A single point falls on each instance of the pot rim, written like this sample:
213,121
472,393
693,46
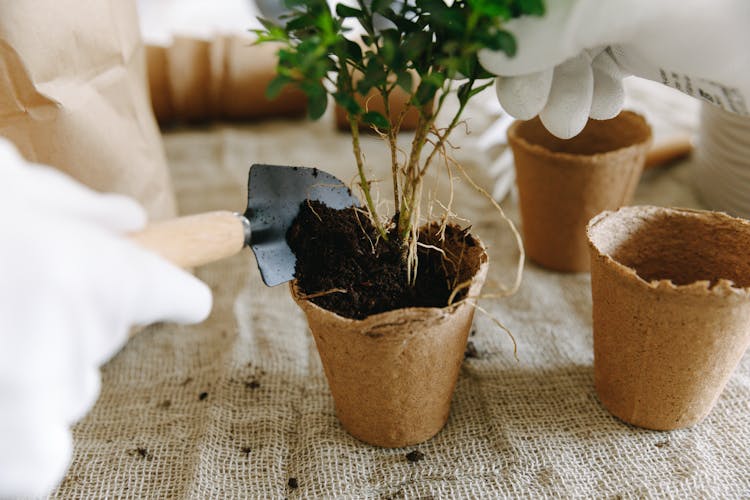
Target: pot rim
537,149
723,286
408,314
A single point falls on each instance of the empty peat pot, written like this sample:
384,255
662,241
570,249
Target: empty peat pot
671,310
563,183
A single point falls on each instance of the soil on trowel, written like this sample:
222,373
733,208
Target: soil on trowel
340,250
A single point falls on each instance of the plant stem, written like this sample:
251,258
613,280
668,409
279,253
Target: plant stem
442,138
354,126
441,141
392,131
412,173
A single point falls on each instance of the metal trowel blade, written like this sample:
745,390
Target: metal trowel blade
274,195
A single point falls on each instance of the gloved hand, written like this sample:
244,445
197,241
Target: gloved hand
570,62
71,287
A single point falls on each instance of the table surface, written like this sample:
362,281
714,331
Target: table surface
238,406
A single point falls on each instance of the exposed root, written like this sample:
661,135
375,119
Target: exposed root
472,301
357,212
448,208
450,215
432,247
321,294
500,325
309,205
457,289
309,196
412,257
519,242
457,266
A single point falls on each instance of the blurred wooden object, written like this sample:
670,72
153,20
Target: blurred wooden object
667,151
374,102
196,80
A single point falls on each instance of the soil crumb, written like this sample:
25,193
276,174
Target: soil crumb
471,351
141,453
414,456
341,250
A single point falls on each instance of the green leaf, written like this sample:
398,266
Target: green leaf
349,103
464,92
274,86
346,11
390,47
531,7
269,25
317,99
442,16
501,40
377,119
380,6
478,71
495,9
353,51
299,23
481,88
437,79
374,76
415,44
287,58
262,36
403,24
425,92
405,81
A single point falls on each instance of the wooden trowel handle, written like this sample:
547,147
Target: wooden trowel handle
194,240
669,150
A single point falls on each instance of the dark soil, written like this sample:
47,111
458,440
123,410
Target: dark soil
340,250
141,453
414,456
471,351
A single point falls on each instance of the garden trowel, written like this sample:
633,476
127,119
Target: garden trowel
274,195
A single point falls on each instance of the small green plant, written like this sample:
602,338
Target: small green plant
428,48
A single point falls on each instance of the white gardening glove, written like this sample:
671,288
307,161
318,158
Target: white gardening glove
570,62
70,289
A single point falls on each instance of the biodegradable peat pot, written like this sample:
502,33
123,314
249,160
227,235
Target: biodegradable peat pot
671,308
562,184
392,374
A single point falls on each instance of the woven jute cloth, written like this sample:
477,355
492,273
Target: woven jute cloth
238,406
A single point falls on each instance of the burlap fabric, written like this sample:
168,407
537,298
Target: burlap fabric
238,406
